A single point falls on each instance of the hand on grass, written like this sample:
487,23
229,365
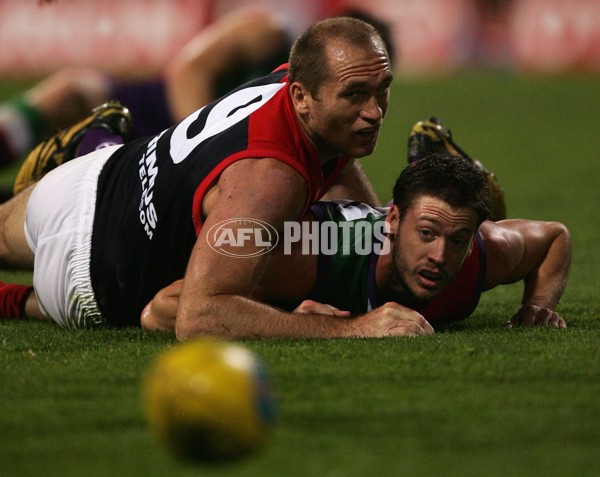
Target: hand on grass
392,319
533,315
160,313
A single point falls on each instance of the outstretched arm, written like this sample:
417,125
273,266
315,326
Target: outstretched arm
539,253
390,319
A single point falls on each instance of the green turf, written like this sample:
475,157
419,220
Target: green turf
474,400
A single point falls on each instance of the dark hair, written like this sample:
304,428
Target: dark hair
455,180
308,56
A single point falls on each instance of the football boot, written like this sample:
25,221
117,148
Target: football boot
431,136
63,146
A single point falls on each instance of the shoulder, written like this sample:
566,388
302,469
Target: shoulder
504,247
267,182
496,233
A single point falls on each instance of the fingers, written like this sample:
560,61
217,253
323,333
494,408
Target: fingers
532,315
311,306
402,321
411,328
390,319
160,314
157,320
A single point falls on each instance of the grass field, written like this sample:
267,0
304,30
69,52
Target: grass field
474,400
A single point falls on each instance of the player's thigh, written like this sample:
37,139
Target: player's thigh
14,248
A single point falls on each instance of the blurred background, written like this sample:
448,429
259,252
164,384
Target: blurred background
135,37
517,81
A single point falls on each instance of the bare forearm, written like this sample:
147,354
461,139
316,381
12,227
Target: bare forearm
236,317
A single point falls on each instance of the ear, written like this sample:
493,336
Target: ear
393,219
470,247
300,97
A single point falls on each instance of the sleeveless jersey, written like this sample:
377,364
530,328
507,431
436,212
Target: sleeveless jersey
347,279
150,192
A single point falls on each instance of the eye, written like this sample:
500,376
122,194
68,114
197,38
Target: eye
354,94
459,243
426,234
383,90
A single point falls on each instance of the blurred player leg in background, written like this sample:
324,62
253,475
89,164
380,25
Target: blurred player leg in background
240,46
431,136
55,103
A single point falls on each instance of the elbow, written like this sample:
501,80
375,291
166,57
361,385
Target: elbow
564,231
183,333
186,329
563,236
200,324
188,325
566,237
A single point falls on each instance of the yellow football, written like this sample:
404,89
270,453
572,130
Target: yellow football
209,400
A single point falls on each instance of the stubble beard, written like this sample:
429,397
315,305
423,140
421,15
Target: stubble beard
401,286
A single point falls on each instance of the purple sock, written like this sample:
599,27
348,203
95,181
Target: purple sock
97,138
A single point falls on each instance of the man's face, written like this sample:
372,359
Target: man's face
431,240
346,114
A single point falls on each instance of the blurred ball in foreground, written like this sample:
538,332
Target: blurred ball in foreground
209,401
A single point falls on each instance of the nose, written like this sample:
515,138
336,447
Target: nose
373,110
437,252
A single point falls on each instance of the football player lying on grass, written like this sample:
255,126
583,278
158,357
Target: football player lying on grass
399,271
106,231
437,259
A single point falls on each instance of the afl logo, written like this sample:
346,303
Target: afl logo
243,238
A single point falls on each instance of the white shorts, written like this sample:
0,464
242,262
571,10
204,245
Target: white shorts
58,228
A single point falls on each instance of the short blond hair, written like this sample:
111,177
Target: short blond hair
308,56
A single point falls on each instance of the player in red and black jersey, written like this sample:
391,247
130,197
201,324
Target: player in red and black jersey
266,151
161,220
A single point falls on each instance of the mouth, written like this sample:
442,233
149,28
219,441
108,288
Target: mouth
431,279
369,134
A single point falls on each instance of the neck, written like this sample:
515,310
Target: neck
318,144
